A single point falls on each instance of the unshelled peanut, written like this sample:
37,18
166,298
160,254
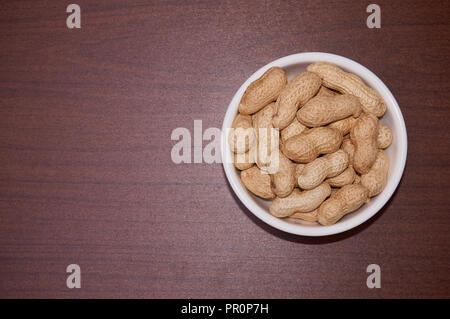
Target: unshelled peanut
245,160
300,202
375,180
310,216
295,128
345,125
305,147
263,91
335,78
344,178
257,182
283,180
384,138
364,137
322,110
346,200
297,92
266,135
241,136
315,172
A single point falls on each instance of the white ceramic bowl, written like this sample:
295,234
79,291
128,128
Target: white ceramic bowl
294,64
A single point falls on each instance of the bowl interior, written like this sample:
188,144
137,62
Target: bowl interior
397,151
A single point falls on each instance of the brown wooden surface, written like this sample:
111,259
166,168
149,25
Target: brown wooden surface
86,175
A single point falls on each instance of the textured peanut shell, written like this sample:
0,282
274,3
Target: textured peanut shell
283,181
300,202
263,91
375,180
344,125
257,182
245,160
263,118
241,136
335,78
349,148
315,172
298,170
310,216
266,136
357,179
296,93
333,191
295,128
364,137
323,110
344,178
346,200
384,138
305,147
324,91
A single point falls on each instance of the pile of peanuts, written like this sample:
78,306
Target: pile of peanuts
314,144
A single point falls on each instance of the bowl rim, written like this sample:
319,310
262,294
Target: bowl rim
343,225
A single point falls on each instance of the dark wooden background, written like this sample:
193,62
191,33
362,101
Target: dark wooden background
86,175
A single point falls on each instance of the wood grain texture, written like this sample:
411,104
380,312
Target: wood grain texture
85,169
